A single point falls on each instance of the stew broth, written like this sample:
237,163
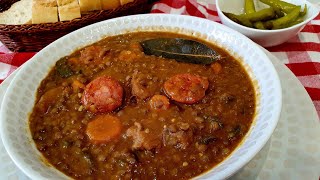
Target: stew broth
108,111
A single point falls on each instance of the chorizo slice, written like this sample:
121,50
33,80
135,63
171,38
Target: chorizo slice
186,88
103,94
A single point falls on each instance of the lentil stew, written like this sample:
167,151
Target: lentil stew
109,111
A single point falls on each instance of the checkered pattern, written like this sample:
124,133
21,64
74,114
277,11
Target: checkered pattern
301,54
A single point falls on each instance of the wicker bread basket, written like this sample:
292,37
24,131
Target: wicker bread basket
34,37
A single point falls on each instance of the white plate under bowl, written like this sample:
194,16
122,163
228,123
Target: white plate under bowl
20,97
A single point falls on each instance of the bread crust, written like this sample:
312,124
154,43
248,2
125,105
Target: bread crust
110,4
45,3
65,2
122,2
89,5
68,10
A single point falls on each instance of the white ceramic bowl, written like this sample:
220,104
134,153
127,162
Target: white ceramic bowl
265,38
20,96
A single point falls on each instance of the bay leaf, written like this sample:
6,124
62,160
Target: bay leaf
182,50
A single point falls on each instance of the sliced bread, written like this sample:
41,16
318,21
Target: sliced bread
89,5
44,11
68,10
19,13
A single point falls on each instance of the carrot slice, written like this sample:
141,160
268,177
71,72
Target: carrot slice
103,128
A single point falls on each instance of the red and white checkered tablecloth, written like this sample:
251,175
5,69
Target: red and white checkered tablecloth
301,54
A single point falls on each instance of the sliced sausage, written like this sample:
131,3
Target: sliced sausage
159,102
103,94
186,88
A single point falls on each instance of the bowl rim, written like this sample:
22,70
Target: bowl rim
227,173
254,30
